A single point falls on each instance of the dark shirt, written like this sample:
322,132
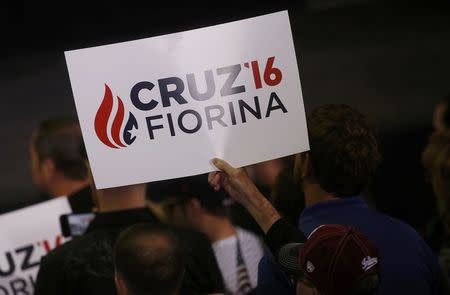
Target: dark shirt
281,233
84,265
81,201
408,265
269,274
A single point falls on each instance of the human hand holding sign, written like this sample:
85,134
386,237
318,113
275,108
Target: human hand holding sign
241,188
234,180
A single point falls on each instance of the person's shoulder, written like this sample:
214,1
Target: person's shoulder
73,246
397,226
77,263
398,231
56,261
62,250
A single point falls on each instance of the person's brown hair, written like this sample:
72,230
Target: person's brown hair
150,259
436,161
60,140
344,149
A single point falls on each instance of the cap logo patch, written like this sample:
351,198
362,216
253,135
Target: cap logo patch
368,262
309,266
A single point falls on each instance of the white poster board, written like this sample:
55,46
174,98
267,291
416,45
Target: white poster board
27,235
163,107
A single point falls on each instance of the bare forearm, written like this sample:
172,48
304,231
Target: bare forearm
237,183
261,210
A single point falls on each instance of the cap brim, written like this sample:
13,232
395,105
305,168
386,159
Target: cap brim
288,258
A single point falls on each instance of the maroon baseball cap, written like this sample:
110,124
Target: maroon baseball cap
335,259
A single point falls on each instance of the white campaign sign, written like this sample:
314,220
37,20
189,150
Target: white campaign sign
27,235
163,107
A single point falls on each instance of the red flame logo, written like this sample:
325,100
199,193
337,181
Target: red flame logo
102,118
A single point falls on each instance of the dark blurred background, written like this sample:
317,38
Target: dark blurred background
389,59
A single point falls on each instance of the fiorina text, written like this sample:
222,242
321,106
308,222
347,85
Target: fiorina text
231,105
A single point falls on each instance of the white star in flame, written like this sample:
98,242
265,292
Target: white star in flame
133,132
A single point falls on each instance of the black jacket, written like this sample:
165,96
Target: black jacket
81,201
84,265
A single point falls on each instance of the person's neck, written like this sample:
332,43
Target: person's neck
314,194
64,186
218,228
121,198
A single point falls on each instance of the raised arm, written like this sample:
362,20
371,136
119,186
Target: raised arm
241,188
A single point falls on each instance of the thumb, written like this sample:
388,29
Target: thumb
224,166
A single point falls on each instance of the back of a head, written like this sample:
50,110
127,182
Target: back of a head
60,140
335,260
344,149
214,202
194,187
149,259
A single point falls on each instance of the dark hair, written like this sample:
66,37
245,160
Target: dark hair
211,200
192,187
150,260
60,140
344,149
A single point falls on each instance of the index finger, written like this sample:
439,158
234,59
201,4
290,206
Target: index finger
224,166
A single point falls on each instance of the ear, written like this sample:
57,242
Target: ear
302,166
307,165
120,285
48,168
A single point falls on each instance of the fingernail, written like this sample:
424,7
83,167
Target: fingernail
214,160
